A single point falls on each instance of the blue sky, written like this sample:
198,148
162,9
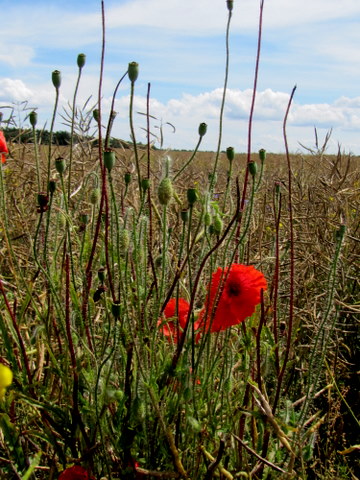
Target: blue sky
180,46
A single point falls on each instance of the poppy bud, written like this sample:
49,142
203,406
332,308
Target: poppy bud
81,60
340,232
33,118
202,129
95,196
165,191
109,159
184,214
52,186
252,166
217,225
116,310
56,79
230,153
96,115
192,196
127,178
133,71
262,155
145,184
60,165
43,200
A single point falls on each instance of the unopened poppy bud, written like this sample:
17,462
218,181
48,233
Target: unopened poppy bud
133,71
56,78
230,153
262,154
96,115
184,214
340,232
116,310
192,196
230,4
60,165
81,58
252,166
165,191
109,159
102,274
33,118
52,186
217,225
127,178
145,184
207,219
202,129
124,240
95,196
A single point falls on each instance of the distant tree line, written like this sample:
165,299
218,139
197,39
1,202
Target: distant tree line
62,137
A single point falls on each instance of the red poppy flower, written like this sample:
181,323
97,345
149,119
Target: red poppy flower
3,147
171,328
233,295
75,473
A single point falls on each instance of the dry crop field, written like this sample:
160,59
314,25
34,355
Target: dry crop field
124,363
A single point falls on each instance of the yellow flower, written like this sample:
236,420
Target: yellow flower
6,377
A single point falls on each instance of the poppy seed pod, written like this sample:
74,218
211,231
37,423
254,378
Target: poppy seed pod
52,186
116,310
192,196
109,159
133,71
127,178
230,4
145,184
33,118
262,154
252,166
165,191
60,165
81,58
56,78
202,129
230,154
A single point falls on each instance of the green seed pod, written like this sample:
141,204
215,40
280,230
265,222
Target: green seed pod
252,166
184,214
56,79
192,196
52,186
96,115
230,4
33,118
202,129
230,153
102,274
109,159
60,165
127,178
95,196
133,71
217,225
165,191
145,184
116,310
262,155
81,58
